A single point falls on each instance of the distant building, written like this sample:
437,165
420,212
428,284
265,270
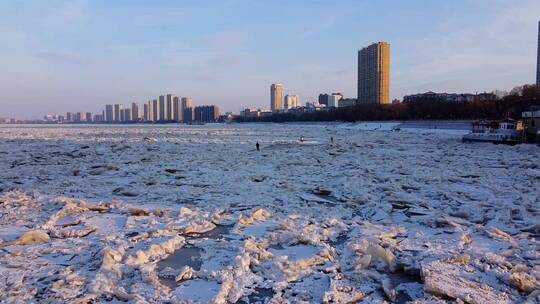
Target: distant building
134,111
333,100
117,109
88,117
291,101
206,113
435,97
162,108
374,74
97,118
80,117
485,97
323,99
146,113
247,112
339,95
188,115
169,115
276,97
347,102
155,109
531,119
127,115
109,113
177,108
255,112
185,103
70,117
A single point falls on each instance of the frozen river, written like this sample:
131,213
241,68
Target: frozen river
194,214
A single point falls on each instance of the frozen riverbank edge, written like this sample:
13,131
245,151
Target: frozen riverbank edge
92,213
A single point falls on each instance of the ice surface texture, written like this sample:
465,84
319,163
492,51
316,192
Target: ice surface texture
194,214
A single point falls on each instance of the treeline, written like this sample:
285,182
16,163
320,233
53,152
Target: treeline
509,106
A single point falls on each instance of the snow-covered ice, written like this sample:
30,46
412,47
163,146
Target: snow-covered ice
194,214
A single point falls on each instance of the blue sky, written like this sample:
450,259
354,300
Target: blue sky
78,55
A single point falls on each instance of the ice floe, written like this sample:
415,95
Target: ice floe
194,214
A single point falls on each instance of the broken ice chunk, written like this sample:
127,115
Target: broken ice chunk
33,237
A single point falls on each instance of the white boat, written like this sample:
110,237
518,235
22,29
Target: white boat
507,131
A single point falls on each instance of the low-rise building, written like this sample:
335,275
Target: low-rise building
347,102
333,100
531,120
291,101
206,113
188,115
437,97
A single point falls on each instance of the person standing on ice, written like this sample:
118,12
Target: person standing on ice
332,139
257,146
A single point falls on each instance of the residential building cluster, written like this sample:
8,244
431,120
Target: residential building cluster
450,97
280,103
164,109
373,86
8,120
335,100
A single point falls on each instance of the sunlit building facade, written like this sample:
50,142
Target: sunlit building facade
374,74
276,97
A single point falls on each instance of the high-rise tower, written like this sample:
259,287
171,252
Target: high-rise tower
169,115
185,103
276,97
374,73
162,108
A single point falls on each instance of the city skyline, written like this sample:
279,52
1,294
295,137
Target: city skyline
83,54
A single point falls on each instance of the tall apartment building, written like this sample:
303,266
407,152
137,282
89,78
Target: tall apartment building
146,114
125,115
177,108
170,107
80,117
206,113
162,108
276,97
88,117
117,109
109,113
184,104
374,73
188,115
155,110
134,111
538,60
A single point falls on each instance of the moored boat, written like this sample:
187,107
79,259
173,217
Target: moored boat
508,131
